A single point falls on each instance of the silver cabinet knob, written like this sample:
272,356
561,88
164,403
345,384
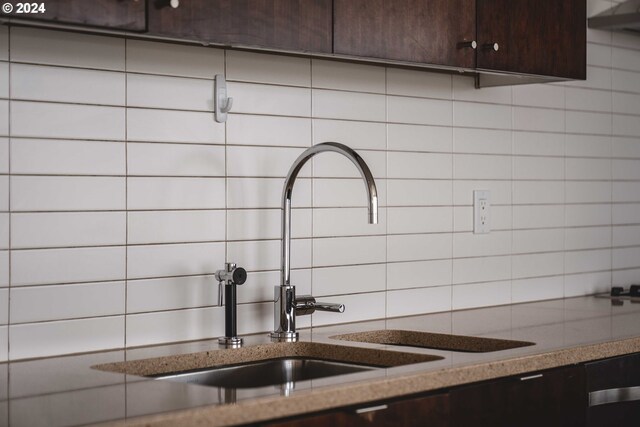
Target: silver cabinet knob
174,3
491,46
472,44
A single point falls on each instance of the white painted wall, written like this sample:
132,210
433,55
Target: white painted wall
119,194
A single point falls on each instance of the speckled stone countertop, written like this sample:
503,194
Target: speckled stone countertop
66,391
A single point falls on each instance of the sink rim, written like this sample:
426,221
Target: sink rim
433,340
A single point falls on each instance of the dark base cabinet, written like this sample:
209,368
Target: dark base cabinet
614,392
421,411
549,398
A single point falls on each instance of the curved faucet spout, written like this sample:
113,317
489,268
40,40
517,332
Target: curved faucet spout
372,196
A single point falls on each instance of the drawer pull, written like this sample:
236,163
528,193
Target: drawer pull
531,377
371,409
614,395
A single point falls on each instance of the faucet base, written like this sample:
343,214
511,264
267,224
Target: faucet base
284,336
230,342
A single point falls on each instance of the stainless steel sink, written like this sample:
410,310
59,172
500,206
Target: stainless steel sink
266,373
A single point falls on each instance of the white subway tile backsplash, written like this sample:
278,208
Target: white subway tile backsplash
419,111
344,193
482,141
175,93
175,160
539,95
330,104
4,268
357,308
47,120
174,59
48,193
267,68
625,235
538,192
587,238
69,229
58,84
331,222
418,83
534,265
586,99
587,261
4,155
66,48
266,193
273,100
174,260
538,143
535,289
354,279
73,265
587,192
171,293
526,241
175,226
483,269
587,215
418,274
407,192
419,165
184,194
67,157
407,220
357,135
409,302
173,126
347,76
464,90
419,138
263,161
469,166
481,294
179,325
538,168
42,303
4,118
4,80
250,224
348,250
4,231
175,193
265,254
247,129
66,337
490,116
419,247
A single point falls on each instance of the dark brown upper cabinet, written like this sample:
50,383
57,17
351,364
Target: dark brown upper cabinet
541,37
418,31
117,14
294,25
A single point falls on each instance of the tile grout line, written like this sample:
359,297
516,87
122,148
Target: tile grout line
8,346
453,168
126,196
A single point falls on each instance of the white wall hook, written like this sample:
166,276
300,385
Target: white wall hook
223,104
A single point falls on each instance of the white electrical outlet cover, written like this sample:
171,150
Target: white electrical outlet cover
481,211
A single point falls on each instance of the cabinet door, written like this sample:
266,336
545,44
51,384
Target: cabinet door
296,25
550,398
614,392
430,410
426,31
117,14
542,37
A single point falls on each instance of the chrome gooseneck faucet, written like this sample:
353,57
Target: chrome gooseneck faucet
286,303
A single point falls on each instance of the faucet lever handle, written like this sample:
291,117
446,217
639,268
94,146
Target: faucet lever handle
329,306
220,294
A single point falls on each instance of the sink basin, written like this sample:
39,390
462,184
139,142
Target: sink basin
435,341
266,365
267,373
